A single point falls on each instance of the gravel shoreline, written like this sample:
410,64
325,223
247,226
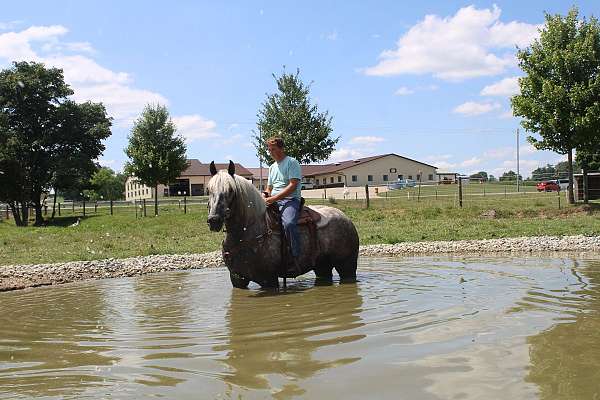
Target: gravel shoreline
14,277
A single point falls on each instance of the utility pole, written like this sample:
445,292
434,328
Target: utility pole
518,160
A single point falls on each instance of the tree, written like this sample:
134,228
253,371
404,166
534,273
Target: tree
156,152
561,86
289,113
107,185
482,175
543,173
510,176
43,134
492,178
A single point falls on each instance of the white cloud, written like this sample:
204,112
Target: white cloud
471,108
9,25
528,149
470,162
106,163
403,91
366,140
506,87
195,127
471,43
500,152
89,80
123,102
332,36
345,153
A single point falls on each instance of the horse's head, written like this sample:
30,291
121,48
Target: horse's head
221,196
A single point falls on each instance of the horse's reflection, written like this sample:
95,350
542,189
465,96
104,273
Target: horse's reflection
273,338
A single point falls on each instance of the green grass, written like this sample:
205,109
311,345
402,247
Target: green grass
389,220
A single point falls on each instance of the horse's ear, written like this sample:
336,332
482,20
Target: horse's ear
213,169
231,168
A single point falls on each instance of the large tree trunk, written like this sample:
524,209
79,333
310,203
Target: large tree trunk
39,217
24,214
570,160
14,208
156,199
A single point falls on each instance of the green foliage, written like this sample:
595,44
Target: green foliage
560,89
46,140
107,185
510,176
289,113
156,152
480,175
559,93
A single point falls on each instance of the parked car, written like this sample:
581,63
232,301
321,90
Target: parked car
307,186
563,183
548,186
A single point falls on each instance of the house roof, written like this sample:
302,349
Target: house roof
196,168
316,169
319,169
256,172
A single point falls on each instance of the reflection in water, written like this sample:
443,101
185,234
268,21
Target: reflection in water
565,359
419,328
274,336
44,341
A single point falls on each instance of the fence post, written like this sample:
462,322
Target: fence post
59,209
558,195
504,190
184,205
7,215
95,207
355,195
111,207
436,192
45,209
460,192
367,194
84,207
135,206
73,206
144,206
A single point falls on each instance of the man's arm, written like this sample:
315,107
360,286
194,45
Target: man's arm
289,189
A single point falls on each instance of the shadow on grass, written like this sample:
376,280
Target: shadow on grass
67,221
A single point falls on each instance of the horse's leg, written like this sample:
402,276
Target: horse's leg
238,281
270,283
346,269
323,270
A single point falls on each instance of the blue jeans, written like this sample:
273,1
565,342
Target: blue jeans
290,211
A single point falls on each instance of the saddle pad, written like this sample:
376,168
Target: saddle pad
307,215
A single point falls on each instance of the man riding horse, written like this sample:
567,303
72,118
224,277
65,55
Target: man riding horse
283,190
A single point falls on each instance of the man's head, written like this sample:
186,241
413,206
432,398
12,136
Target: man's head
276,148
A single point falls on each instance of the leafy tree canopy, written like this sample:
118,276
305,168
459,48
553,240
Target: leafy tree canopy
290,114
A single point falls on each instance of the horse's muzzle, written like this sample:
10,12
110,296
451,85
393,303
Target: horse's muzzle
215,223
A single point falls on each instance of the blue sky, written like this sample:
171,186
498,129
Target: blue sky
429,80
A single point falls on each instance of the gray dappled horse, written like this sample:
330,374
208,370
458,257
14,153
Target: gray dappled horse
253,251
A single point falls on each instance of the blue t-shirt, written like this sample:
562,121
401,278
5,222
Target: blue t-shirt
280,174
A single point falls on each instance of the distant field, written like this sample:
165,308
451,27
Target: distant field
100,235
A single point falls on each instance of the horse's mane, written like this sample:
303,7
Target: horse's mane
249,201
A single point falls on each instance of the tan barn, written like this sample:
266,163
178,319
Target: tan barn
375,170
192,182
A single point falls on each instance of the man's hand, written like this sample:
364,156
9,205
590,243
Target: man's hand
270,200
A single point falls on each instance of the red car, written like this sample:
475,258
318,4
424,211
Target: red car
548,186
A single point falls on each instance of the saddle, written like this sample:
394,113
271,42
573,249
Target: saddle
309,218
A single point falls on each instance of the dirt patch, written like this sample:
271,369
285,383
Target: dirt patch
489,214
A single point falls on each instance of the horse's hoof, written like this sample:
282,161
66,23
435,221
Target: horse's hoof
238,281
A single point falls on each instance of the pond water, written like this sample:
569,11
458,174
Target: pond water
411,328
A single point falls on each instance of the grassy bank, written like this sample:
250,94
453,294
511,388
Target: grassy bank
387,221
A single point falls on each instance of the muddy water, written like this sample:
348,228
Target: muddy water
412,328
